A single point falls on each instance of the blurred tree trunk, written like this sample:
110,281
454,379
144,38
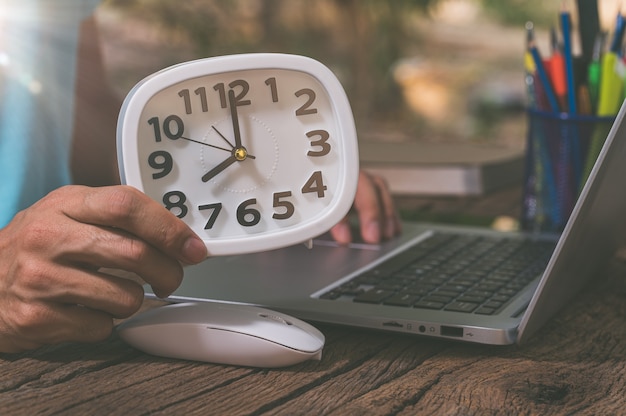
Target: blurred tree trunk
376,30
359,28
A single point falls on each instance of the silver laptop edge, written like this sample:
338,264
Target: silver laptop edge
593,233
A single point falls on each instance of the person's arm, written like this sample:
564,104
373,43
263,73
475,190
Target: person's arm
93,159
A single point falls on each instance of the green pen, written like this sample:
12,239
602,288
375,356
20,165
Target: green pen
608,105
593,72
610,86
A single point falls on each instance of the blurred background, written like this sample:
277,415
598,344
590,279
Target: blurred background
438,70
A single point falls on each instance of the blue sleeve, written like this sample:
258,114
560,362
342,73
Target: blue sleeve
38,46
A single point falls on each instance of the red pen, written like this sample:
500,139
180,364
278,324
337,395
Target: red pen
556,71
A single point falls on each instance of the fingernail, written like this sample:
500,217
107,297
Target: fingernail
194,250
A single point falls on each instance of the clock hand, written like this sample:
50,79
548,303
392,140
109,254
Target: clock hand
214,146
232,147
222,136
213,172
235,117
205,144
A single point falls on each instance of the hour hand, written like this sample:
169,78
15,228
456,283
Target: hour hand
213,172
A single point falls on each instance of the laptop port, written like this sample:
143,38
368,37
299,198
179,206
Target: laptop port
451,331
393,324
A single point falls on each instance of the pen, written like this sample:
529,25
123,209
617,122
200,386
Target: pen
556,70
608,103
610,85
570,167
593,71
530,69
620,26
610,80
529,63
622,71
543,77
588,27
569,61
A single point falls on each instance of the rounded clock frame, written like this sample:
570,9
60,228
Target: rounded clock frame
232,162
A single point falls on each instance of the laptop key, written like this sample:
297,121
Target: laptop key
349,289
500,298
438,299
461,307
492,304
471,299
424,304
483,310
332,295
454,288
373,296
418,291
441,292
401,300
480,293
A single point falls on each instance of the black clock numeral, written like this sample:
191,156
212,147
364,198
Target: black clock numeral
173,127
305,109
280,202
315,184
215,211
201,93
175,201
322,142
239,96
160,160
271,82
247,216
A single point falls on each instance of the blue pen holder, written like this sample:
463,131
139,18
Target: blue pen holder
560,152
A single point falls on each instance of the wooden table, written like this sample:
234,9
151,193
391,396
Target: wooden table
575,364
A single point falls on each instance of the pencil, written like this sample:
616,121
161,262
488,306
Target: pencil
543,77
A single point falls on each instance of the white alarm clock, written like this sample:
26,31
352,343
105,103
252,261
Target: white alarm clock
254,151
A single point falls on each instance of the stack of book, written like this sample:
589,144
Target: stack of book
435,168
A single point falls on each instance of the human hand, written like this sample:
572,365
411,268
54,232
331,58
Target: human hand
51,288
378,218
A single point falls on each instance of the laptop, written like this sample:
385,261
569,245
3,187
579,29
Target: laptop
338,284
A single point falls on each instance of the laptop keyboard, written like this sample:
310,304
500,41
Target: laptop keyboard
453,272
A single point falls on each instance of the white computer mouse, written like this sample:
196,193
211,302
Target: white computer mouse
223,333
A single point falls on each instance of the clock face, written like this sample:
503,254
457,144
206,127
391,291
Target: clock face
252,151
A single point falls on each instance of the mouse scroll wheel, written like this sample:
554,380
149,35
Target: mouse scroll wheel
275,318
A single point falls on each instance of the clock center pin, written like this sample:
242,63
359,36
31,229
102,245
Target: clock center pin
240,153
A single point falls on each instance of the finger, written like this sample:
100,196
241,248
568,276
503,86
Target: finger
37,324
115,249
10,344
368,206
391,220
113,295
126,208
341,232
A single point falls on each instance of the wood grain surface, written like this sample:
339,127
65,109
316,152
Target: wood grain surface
574,365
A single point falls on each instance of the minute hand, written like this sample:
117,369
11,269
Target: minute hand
235,117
